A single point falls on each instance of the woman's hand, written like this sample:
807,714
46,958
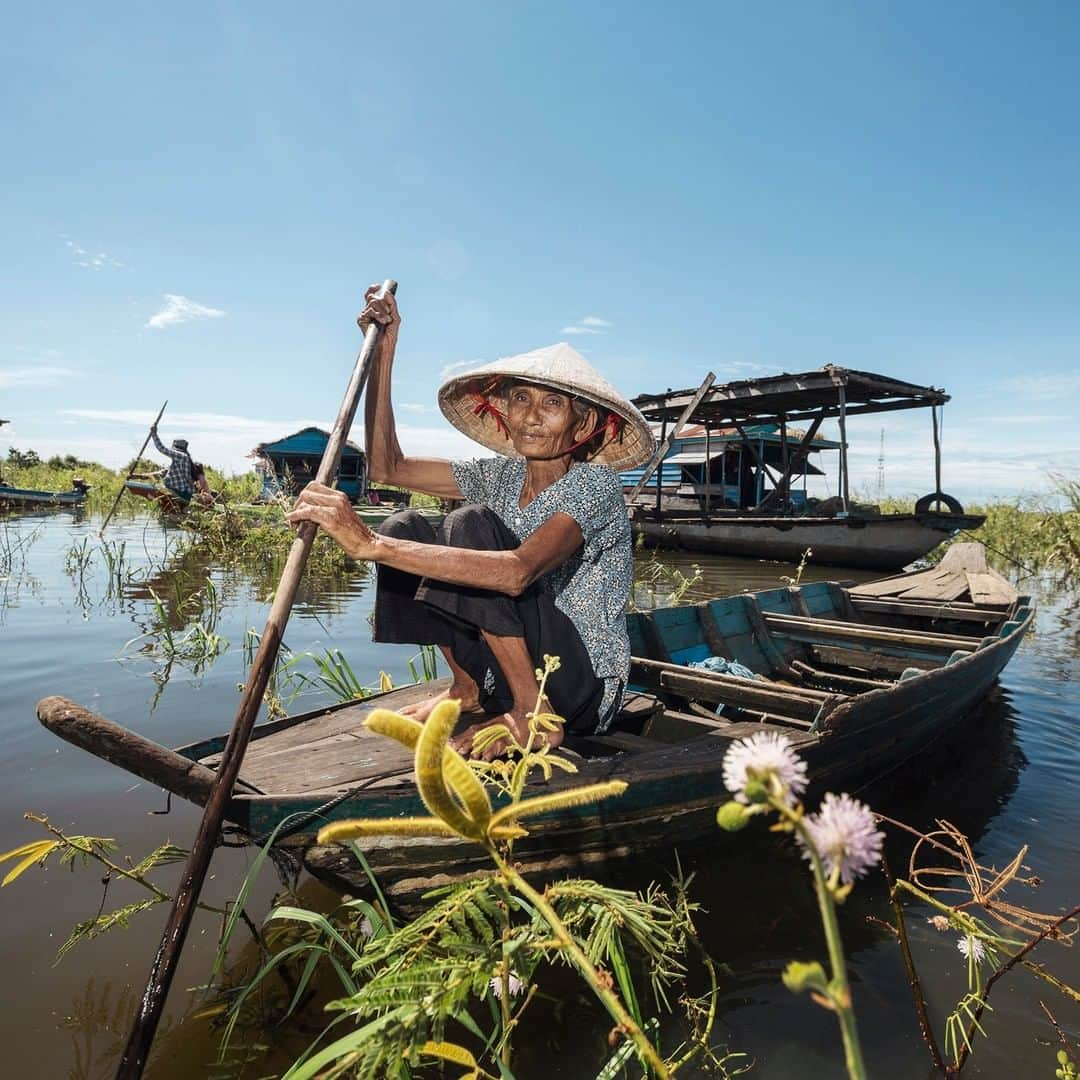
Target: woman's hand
330,510
382,310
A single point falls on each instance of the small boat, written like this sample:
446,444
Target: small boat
168,502
728,483
29,497
861,684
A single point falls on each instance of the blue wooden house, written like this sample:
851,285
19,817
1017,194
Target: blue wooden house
287,464
720,469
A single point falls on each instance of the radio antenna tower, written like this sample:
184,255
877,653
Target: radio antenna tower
881,468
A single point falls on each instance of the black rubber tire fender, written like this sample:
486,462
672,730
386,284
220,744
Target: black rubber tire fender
924,505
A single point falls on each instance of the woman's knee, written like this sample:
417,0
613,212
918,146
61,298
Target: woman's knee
477,526
407,525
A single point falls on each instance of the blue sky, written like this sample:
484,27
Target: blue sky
195,197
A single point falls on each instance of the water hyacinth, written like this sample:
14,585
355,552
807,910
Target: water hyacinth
765,757
971,948
846,837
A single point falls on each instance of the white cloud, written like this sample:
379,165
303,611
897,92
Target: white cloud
458,367
591,324
179,309
40,375
1045,386
414,407
90,260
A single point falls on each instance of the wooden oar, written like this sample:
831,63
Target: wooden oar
187,893
131,471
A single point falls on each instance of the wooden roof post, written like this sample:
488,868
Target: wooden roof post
844,495
664,443
708,470
937,455
785,494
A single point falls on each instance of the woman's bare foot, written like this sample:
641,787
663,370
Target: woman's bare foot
470,703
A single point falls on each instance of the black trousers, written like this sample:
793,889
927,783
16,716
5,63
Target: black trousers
423,611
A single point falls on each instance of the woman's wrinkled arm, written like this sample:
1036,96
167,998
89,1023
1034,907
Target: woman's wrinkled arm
386,462
508,572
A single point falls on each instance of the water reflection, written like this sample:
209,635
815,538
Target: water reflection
1006,777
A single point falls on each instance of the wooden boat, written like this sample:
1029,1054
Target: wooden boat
167,501
14,496
740,460
860,684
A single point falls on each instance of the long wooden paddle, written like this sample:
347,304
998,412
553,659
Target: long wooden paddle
172,940
131,471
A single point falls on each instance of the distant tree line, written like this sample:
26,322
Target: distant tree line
28,459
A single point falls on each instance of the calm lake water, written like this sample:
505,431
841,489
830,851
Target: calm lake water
67,627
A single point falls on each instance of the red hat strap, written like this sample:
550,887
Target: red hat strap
484,408
612,426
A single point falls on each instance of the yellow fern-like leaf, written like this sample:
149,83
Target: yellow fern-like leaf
28,854
547,721
430,778
544,804
492,734
459,777
351,828
386,722
449,1052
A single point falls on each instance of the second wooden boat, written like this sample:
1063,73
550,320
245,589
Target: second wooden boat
861,685
14,496
166,501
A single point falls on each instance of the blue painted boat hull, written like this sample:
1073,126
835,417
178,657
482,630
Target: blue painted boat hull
29,497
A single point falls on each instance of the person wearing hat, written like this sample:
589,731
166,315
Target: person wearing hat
180,479
540,560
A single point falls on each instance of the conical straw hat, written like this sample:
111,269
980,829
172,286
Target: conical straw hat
563,368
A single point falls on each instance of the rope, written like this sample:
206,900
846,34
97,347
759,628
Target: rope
288,865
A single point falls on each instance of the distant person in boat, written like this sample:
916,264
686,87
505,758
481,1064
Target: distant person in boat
203,493
180,479
539,561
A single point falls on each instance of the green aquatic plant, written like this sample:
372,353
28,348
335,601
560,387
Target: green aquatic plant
658,584
85,851
955,885
196,647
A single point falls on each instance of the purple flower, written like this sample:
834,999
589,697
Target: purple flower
514,984
845,835
972,948
764,756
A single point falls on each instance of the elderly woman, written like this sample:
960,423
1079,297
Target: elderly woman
538,562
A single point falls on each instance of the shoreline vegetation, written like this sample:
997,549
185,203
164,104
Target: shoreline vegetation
1031,533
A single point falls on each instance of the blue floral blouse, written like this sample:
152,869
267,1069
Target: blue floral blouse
593,585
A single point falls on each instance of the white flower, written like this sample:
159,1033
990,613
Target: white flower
768,754
365,928
513,982
939,922
845,835
972,947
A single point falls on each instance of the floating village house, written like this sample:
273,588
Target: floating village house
287,464
719,468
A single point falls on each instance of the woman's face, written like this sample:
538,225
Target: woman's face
542,422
